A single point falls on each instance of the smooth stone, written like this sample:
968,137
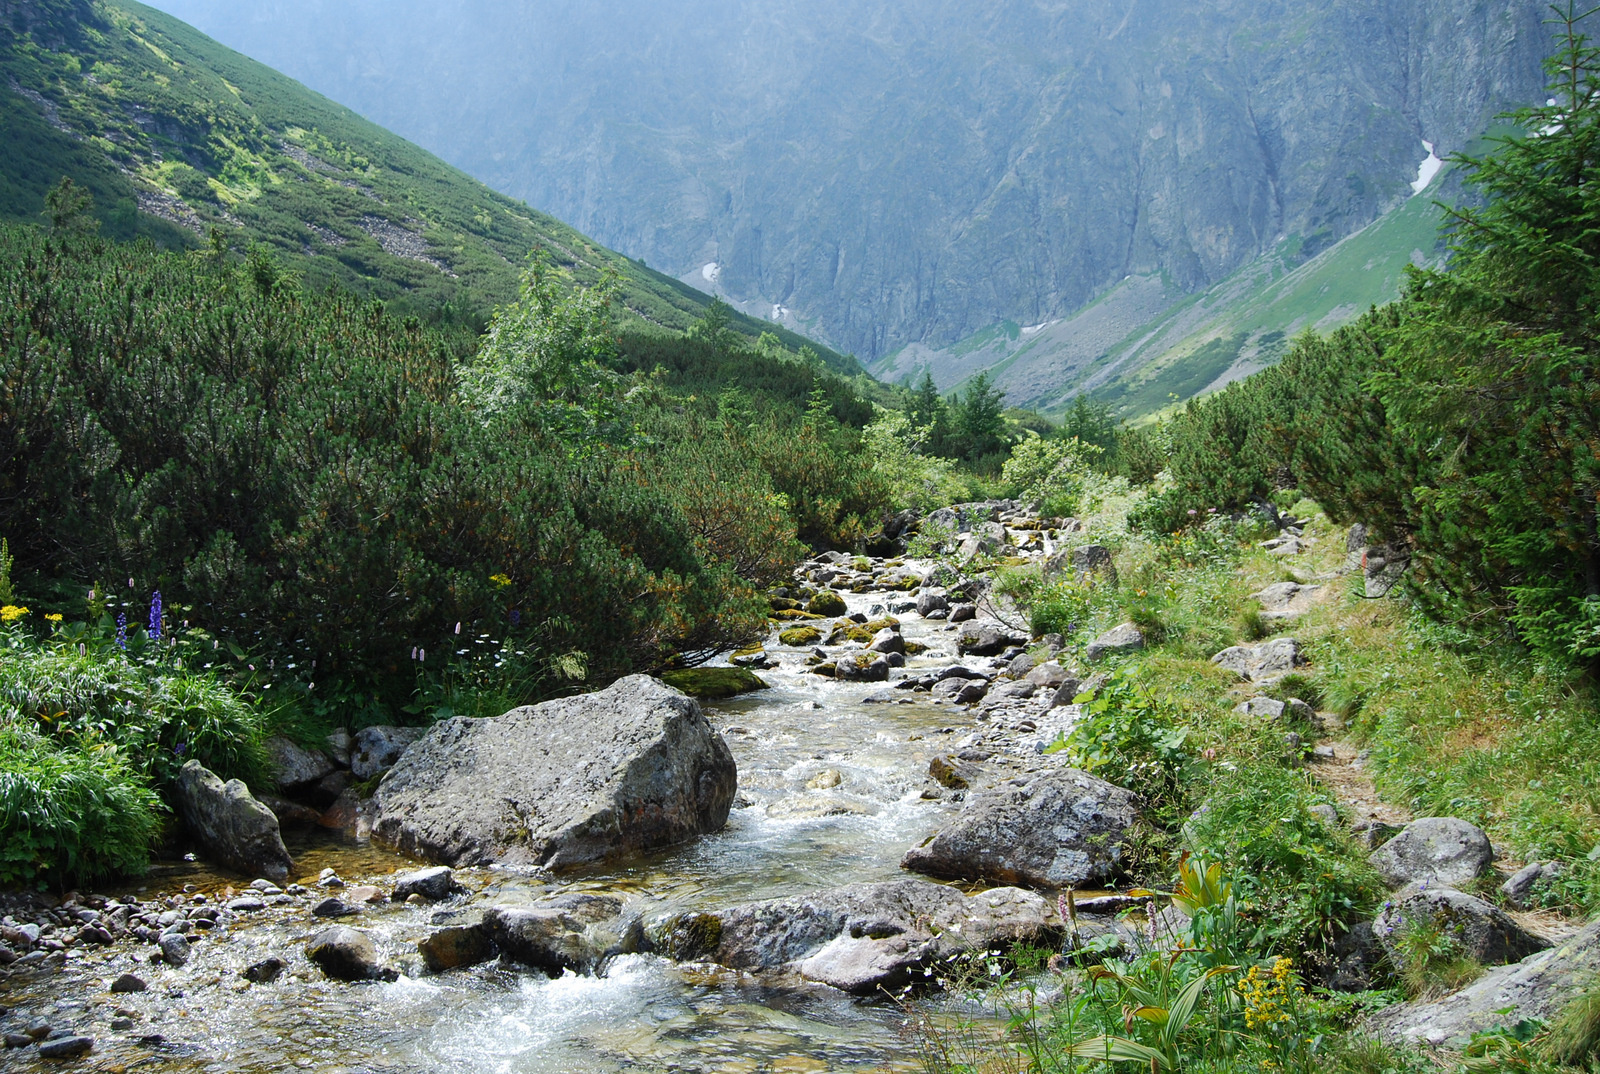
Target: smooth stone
347,954
435,884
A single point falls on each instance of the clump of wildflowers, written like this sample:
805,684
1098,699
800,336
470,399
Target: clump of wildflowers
1270,995
122,630
155,616
10,613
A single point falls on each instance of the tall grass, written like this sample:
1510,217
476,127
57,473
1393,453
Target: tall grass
70,813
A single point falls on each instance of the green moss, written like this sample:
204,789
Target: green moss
713,683
826,602
800,636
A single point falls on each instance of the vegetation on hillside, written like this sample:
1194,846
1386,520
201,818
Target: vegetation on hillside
1461,423
186,142
348,518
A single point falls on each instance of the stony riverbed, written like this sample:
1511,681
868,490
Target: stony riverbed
191,969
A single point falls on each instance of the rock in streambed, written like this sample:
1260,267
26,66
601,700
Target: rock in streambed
632,768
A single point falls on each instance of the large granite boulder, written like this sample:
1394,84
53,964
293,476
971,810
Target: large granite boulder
1058,829
1478,929
864,937
232,828
1267,662
632,768
1535,989
1437,851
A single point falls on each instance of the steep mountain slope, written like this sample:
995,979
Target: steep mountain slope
889,174
175,135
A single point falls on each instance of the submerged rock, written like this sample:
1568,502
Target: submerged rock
864,937
576,932
1060,829
455,946
232,827
714,683
432,884
646,772
347,954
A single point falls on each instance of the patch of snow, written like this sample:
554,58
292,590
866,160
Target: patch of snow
710,271
779,312
1031,329
1427,169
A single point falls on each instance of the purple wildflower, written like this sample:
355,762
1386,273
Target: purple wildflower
122,630
155,616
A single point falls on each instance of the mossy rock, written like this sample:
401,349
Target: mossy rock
1016,561
783,604
909,584
915,648
795,615
714,683
888,622
691,937
826,603
800,636
862,586
849,632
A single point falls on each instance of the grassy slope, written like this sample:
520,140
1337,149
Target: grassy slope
1456,725
1241,329
1239,325
175,134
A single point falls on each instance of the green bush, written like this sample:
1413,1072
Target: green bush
157,718
1305,881
69,813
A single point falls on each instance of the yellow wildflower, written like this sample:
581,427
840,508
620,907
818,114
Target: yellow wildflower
500,580
54,617
11,613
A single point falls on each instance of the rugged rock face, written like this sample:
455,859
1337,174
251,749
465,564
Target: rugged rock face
647,772
1480,930
1440,851
234,829
1535,988
1060,829
865,936
1014,160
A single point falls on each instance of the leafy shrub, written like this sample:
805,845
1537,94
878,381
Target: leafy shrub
156,718
69,813
1304,882
1132,738
1051,473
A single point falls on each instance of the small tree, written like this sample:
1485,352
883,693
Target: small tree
70,209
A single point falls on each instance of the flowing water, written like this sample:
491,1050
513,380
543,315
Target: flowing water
787,835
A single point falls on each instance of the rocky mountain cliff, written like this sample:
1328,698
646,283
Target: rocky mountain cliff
884,174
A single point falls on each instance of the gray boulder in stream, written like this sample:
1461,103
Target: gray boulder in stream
863,937
1059,829
632,768
576,931
232,828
